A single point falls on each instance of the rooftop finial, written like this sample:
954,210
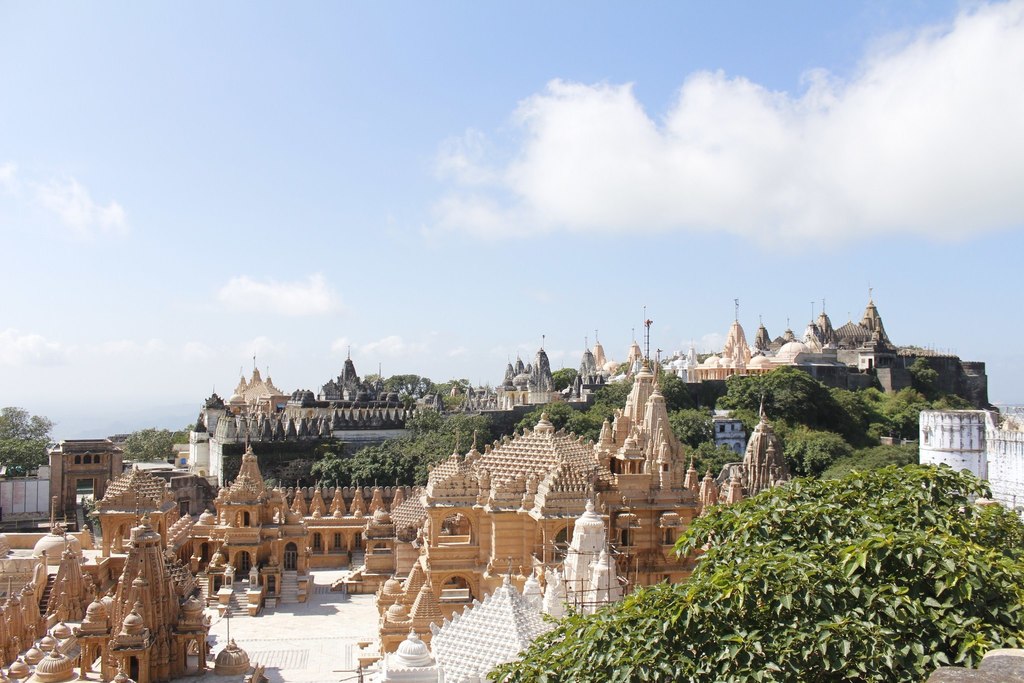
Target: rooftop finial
349,352
736,312
543,337
647,335
812,311
254,361
596,340
871,290
823,305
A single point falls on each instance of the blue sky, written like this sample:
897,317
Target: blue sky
439,185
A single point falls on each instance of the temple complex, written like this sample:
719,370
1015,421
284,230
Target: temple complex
527,384
854,355
346,409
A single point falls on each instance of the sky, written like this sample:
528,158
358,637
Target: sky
439,187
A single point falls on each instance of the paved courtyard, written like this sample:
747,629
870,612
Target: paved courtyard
306,643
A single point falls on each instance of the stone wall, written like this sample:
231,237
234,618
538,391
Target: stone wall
974,440
1005,450
955,438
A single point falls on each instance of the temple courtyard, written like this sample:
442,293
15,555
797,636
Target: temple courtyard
309,642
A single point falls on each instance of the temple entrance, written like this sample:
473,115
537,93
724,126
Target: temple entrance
244,564
192,657
84,488
133,668
291,557
204,552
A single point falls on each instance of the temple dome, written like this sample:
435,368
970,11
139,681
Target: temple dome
19,669
398,612
53,544
61,631
34,655
392,587
590,520
790,352
55,667
95,614
207,518
412,652
232,660
133,623
46,643
759,361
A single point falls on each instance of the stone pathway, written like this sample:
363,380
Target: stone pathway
303,643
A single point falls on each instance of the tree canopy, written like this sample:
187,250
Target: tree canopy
152,444
23,440
407,460
877,576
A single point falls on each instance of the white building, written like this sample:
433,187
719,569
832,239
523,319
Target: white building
984,442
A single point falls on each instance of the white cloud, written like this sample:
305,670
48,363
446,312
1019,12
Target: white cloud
76,209
263,346
301,298
458,352
132,347
926,138
195,352
391,345
8,176
712,342
18,350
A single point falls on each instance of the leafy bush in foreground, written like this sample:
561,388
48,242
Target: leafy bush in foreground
877,576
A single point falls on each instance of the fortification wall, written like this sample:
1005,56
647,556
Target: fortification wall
955,438
1005,450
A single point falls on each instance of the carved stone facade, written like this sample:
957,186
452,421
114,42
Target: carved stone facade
82,467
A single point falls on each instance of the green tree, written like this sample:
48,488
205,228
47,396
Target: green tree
810,452
878,576
691,426
923,377
409,386
872,458
563,378
23,440
407,460
677,395
152,444
712,456
558,414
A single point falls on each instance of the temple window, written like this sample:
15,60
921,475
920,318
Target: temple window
318,542
337,541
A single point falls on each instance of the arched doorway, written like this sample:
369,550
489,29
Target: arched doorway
133,668
243,564
192,657
291,557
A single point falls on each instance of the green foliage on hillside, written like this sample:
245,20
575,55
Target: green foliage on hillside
23,440
406,460
814,421
152,444
878,576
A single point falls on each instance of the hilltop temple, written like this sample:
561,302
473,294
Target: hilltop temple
346,408
854,355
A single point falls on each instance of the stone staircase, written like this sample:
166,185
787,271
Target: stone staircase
289,588
204,588
238,604
44,601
